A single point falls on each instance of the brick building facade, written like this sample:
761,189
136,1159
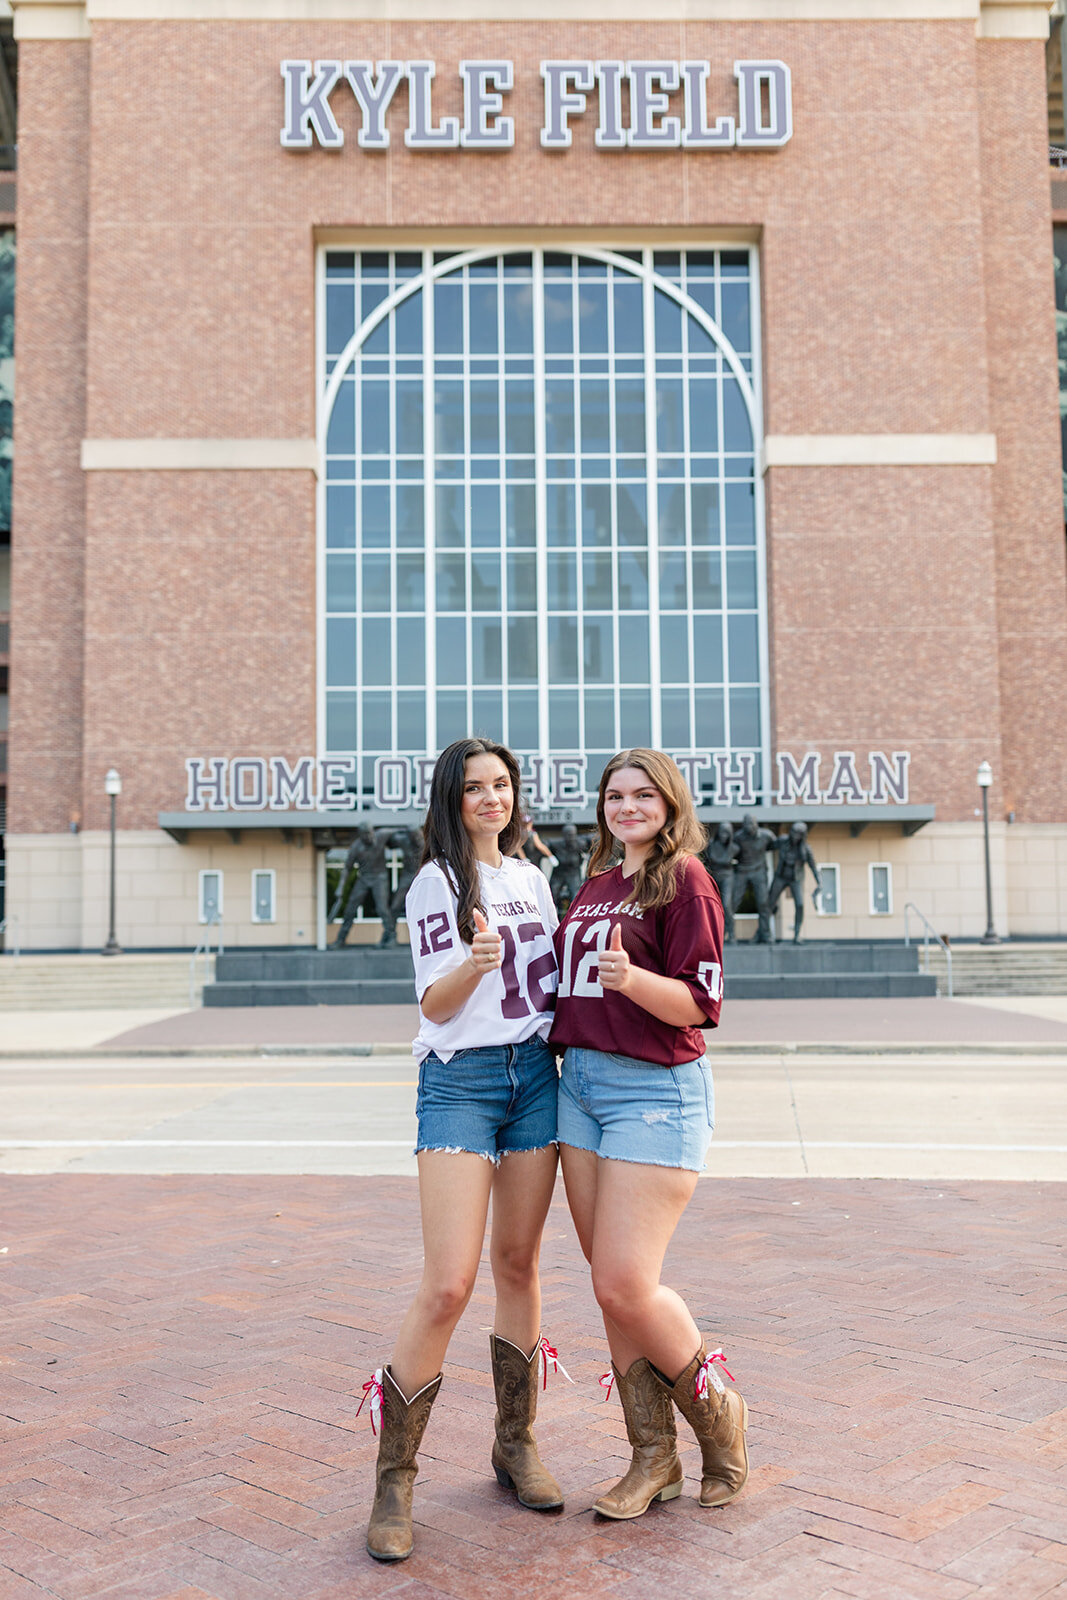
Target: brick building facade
193,507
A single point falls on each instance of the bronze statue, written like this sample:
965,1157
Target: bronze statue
409,842
569,851
720,856
794,854
753,842
365,865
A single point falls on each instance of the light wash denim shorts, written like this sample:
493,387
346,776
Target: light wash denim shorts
629,1110
492,1101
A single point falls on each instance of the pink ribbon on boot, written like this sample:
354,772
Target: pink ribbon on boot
706,1373
373,1391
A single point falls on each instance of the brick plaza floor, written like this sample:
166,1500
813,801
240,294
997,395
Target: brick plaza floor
182,1359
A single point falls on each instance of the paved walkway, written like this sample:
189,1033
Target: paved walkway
184,1356
873,1024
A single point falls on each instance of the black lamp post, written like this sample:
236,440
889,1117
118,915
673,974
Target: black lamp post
112,788
985,778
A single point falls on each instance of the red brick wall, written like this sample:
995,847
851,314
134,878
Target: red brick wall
48,510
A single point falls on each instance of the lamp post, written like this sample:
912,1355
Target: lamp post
985,778
112,788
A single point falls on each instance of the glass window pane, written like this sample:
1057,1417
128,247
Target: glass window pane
710,720
561,515
562,586
633,580
670,431
411,650
562,650
448,501
595,417
674,649
598,649
703,416
633,649
341,650
522,720
448,318
707,649
377,655
411,722
522,650
744,718
375,521
593,318
376,594
377,722
740,513
340,316
633,528
485,418
341,722
672,513
559,319
744,649
407,325
599,718
630,416
341,434
629,316
485,649
374,398
521,514
673,590
596,579
736,426
340,583
635,710
707,579
485,583
522,582
451,716
483,314
409,419
705,499
674,712
485,515
518,318
451,650
410,583
741,580
563,719
341,518
488,720
519,417
596,513
451,583
448,418
668,323
559,416
410,529
735,319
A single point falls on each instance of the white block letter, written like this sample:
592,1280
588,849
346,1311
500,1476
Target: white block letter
650,129
483,126
561,102
886,781
610,133
752,77
697,134
374,95
206,793
798,783
307,105
420,133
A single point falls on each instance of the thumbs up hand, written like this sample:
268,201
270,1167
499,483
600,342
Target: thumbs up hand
614,963
485,946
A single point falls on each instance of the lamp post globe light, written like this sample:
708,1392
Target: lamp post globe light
112,788
985,778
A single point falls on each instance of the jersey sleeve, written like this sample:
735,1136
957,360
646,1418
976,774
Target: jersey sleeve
436,947
692,944
543,896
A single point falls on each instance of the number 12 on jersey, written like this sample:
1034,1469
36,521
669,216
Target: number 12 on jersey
576,971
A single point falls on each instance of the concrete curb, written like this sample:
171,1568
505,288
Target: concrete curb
281,1051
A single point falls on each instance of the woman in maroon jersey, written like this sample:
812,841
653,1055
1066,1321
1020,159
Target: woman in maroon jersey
640,956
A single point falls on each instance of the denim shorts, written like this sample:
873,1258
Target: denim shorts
629,1110
493,1101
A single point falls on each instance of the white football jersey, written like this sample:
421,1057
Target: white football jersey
513,1001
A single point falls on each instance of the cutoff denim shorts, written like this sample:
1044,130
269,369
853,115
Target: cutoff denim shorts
629,1110
493,1101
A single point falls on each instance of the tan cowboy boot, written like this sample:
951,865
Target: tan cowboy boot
655,1472
515,1460
403,1423
719,1418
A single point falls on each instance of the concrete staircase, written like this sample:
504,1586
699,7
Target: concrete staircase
98,983
1003,969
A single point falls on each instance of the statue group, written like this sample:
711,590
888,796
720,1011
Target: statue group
737,861
364,882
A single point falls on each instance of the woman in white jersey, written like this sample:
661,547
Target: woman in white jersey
480,922
640,955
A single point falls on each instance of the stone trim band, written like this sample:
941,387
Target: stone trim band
879,450
199,455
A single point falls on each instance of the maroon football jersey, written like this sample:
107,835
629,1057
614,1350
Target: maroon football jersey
681,940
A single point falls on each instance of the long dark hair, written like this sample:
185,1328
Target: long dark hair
656,879
447,841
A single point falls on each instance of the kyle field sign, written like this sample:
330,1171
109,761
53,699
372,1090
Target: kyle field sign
641,105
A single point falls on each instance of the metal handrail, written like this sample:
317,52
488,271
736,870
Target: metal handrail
928,930
204,949
12,922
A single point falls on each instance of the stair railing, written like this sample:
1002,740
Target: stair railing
204,949
11,923
928,934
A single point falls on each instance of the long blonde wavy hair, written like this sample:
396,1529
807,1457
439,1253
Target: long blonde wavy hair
656,879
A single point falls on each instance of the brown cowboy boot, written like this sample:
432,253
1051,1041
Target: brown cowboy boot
515,1460
655,1472
403,1423
719,1417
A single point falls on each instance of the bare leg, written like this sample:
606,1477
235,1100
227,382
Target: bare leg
580,1169
522,1193
454,1198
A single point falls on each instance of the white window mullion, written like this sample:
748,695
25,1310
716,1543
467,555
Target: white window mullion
720,389
754,312
429,501
320,497
652,497
541,503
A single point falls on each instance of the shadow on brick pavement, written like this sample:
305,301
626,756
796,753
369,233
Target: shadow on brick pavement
183,1360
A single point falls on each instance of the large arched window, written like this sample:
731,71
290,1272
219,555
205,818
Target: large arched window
541,511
